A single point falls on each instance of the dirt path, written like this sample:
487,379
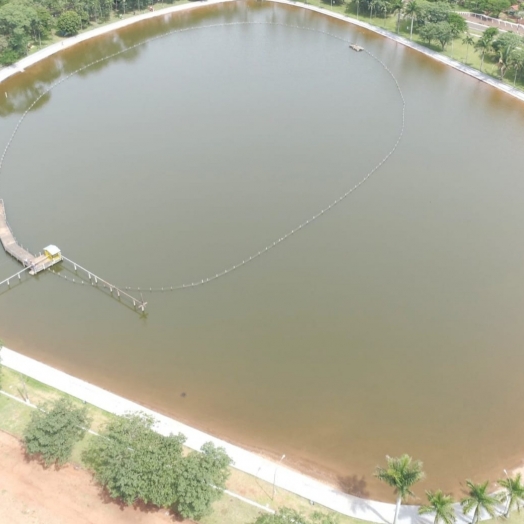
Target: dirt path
30,494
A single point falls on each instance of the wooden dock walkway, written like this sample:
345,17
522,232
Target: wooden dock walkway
52,255
12,247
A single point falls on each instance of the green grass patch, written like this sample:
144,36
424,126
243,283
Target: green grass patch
14,416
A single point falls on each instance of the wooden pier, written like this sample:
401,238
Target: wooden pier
35,263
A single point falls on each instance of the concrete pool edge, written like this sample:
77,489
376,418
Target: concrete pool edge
28,61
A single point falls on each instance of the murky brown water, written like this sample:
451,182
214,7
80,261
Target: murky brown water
391,325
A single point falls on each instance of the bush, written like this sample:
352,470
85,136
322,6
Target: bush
54,429
9,56
137,464
69,23
201,480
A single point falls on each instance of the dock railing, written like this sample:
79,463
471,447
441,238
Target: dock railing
114,290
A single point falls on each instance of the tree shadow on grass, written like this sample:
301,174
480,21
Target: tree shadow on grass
140,506
38,459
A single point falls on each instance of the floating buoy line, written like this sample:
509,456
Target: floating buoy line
254,256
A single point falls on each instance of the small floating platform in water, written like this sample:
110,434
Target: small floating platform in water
356,47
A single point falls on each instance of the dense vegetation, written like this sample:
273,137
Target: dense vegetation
24,23
436,23
53,431
137,464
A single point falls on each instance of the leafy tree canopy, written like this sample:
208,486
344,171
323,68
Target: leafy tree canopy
133,462
201,480
54,429
69,23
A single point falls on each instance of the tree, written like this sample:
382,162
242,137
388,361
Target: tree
504,45
290,516
468,40
458,26
513,494
411,11
42,24
428,32
16,21
484,43
516,62
69,23
201,479
401,474
478,499
443,33
433,12
54,429
397,6
441,505
133,462
495,7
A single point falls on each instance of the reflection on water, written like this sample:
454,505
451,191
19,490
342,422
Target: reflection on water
386,327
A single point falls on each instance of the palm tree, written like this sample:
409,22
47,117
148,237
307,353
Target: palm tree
485,42
482,45
411,11
479,499
517,62
468,40
513,494
397,6
401,473
441,505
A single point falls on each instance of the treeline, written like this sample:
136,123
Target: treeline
402,473
24,23
131,461
439,23
135,464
